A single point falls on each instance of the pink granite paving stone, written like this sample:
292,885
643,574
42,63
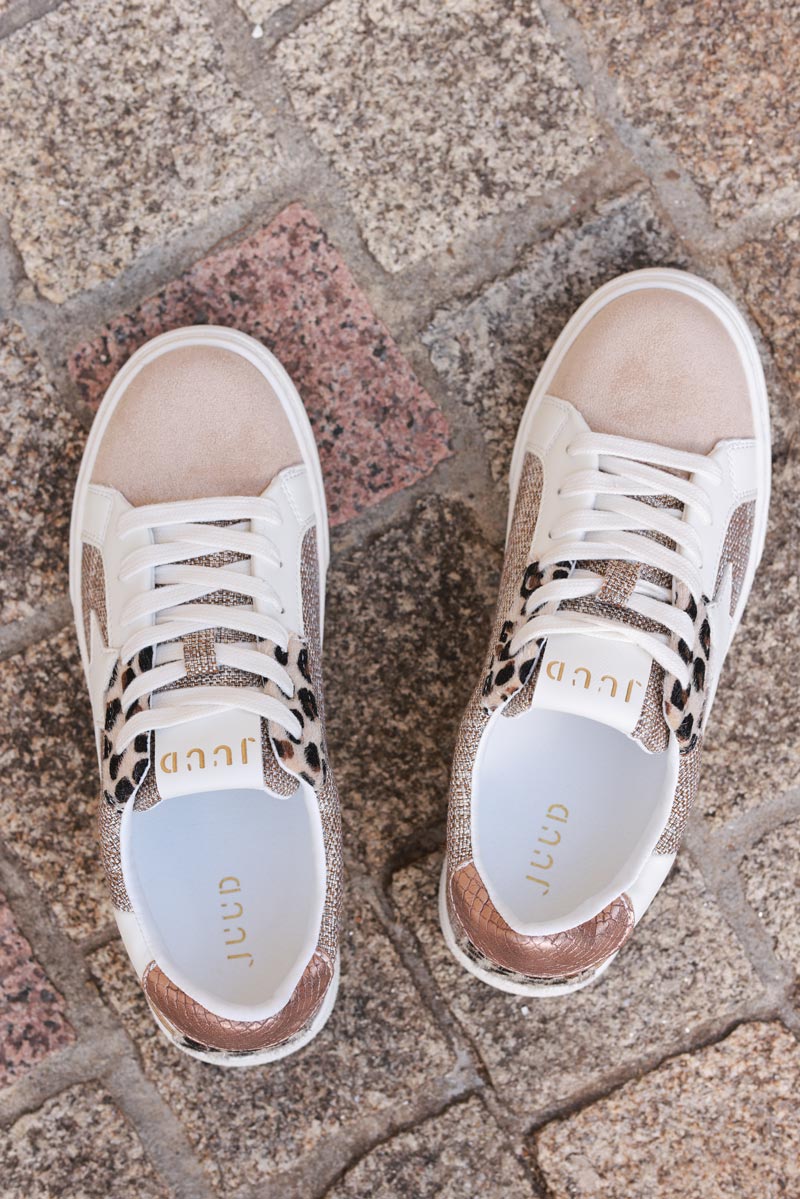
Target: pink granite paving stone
377,429
32,1019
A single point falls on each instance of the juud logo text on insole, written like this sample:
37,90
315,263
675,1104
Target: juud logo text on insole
233,910
542,859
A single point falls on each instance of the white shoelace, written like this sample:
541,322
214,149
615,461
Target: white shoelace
182,532
612,526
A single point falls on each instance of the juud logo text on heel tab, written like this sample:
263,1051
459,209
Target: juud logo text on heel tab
581,676
202,759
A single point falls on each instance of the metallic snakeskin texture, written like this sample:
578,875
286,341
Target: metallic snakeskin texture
685,791
736,549
93,590
560,956
472,952
192,1020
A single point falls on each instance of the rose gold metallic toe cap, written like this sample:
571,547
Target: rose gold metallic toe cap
191,1019
561,955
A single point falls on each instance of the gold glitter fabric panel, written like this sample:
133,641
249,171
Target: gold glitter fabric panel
685,791
651,728
110,819
93,590
736,550
476,716
327,794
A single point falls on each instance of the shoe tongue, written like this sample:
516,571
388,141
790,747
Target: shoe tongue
230,751
606,679
210,753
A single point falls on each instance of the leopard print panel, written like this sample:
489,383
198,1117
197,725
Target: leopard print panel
683,706
122,773
305,755
508,672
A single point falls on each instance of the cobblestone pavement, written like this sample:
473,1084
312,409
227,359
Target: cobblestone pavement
405,199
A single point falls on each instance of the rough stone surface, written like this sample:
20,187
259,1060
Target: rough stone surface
771,873
40,448
97,168
768,272
377,430
260,10
78,1144
752,749
49,798
406,628
722,1122
437,114
717,84
489,351
378,1050
32,1019
458,1154
682,971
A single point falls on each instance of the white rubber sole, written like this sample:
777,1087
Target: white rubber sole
229,1061
727,312
240,343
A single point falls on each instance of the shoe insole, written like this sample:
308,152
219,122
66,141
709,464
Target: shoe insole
229,883
566,811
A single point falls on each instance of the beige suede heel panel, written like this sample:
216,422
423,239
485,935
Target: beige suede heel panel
197,422
657,366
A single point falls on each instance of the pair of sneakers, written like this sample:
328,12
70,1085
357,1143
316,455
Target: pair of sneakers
639,490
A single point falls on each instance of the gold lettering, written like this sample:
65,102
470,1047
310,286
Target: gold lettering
551,812
540,865
233,915
229,878
244,748
583,670
228,755
540,881
201,757
633,683
559,675
169,763
236,940
557,841
613,682
232,957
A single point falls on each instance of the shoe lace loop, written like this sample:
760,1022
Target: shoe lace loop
605,516
235,531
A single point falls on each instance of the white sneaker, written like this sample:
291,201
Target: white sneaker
639,494
199,549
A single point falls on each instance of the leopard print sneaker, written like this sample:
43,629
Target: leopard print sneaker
199,548
639,494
